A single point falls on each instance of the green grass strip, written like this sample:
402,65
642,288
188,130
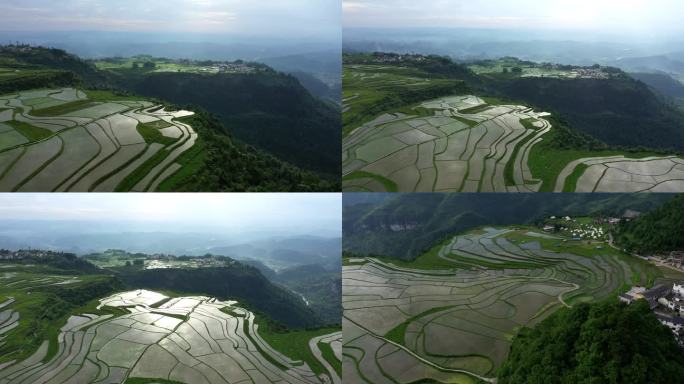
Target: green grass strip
191,161
150,132
571,181
475,109
30,132
63,109
139,173
509,168
389,185
397,333
143,380
329,356
529,123
468,122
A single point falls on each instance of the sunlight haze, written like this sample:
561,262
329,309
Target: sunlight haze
630,16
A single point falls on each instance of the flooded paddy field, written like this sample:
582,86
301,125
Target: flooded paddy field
463,144
617,173
63,141
451,314
191,339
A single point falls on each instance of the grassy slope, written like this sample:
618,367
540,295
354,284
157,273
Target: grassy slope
31,132
293,343
373,97
372,100
431,261
546,162
62,109
644,273
41,313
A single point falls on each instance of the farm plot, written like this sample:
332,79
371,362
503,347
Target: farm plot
184,339
465,146
620,174
59,140
405,323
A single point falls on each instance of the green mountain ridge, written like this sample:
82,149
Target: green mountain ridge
621,111
607,342
219,161
659,231
404,226
269,110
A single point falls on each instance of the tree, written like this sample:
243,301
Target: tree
601,343
659,231
150,65
128,263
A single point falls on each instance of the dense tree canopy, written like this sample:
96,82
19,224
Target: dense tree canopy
607,342
661,230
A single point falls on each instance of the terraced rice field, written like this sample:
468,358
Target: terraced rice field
406,323
617,173
465,146
184,339
59,140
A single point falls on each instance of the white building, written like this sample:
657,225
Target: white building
678,288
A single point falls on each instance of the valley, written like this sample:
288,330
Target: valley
451,314
181,339
117,125
64,319
406,132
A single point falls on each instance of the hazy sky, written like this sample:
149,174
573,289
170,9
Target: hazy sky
632,16
250,17
308,212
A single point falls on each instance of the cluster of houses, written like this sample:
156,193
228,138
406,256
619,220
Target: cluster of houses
394,58
27,254
171,262
592,72
577,231
667,302
236,68
674,259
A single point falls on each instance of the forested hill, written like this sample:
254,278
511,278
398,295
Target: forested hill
406,225
221,163
269,110
615,108
294,137
27,67
658,231
606,342
438,66
620,111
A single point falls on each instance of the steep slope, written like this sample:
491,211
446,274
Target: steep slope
238,281
661,230
217,161
29,67
221,163
406,225
595,343
662,82
620,111
269,110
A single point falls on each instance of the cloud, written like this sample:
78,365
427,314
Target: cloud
276,17
632,15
